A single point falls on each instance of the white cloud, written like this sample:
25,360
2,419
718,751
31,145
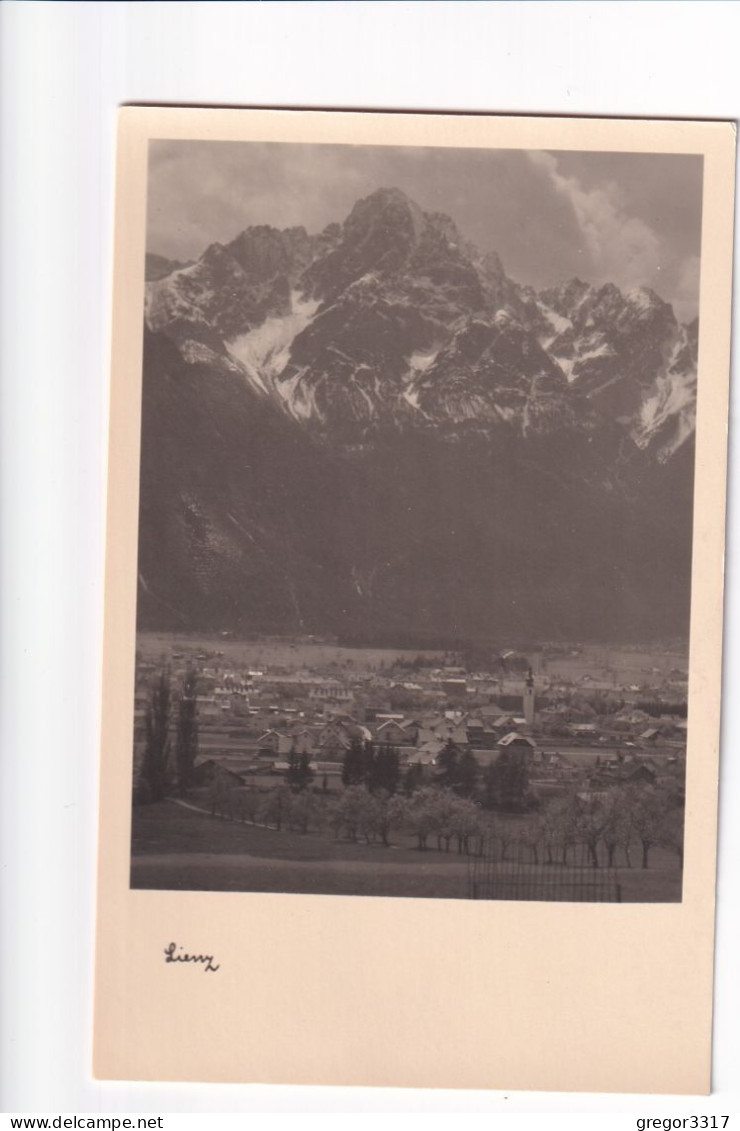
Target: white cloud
621,247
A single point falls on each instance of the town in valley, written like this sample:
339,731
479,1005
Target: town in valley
301,765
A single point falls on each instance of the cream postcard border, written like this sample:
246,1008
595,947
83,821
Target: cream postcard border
401,992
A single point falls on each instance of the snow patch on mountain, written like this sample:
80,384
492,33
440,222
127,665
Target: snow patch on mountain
197,353
668,414
298,396
558,323
264,352
566,364
181,295
603,350
421,360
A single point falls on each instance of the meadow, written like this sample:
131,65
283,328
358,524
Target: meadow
179,849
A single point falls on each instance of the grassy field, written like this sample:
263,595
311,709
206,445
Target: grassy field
174,848
270,654
617,664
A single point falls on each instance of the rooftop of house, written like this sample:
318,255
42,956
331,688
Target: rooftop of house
513,738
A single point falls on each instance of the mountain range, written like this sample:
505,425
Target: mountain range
374,432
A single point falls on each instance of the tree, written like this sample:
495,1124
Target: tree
389,812
453,817
443,810
671,829
275,806
648,808
186,748
155,767
558,825
368,762
467,774
591,822
220,794
458,770
413,779
508,834
617,826
303,810
447,758
299,774
250,804
467,823
506,783
529,837
385,771
371,815
547,831
354,766
422,815
354,812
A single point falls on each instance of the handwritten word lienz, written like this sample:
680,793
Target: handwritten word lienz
171,955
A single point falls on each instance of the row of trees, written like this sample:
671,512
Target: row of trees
613,821
438,817
356,814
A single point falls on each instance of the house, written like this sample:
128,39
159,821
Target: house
583,730
432,748
515,750
642,775
394,733
334,740
515,747
304,740
515,740
454,730
273,742
454,688
482,736
490,712
420,756
207,771
331,691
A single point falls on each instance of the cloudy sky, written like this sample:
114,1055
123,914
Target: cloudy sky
632,219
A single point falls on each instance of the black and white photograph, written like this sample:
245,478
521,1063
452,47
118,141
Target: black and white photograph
415,524
367,549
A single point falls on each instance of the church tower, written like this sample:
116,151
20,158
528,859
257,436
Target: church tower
529,700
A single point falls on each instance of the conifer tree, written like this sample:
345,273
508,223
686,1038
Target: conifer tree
386,770
447,761
466,776
299,775
353,770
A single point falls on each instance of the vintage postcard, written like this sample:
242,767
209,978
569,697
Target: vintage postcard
414,600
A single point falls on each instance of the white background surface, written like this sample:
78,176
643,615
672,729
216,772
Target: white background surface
65,69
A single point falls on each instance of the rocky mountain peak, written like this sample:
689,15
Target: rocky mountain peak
264,252
565,298
375,428
394,319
